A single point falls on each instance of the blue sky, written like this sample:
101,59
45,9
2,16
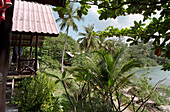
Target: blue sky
93,18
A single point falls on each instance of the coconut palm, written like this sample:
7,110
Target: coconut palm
112,45
67,21
108,76
88,40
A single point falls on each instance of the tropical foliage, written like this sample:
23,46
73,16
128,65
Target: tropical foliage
102,78
68,21
88,40
51,53
37,95
157,29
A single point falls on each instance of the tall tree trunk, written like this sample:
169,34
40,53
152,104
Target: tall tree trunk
88,45
5,35
62,62
87,51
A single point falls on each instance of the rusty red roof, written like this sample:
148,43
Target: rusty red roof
33,18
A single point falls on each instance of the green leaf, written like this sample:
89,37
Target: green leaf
63,74
52,75
110,82
57,81
135,23
69,78
99,11
129,39
61,14
124,80
154,20
88,6
95,2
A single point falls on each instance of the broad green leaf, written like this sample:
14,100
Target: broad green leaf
63,74
52,75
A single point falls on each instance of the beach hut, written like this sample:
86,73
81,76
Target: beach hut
5,37
31,23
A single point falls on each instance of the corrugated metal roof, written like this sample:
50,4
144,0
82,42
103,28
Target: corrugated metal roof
30,17
58,3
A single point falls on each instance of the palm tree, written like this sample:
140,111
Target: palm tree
67,21
88,40
109,75
112,45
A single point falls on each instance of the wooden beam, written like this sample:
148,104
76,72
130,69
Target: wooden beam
5,36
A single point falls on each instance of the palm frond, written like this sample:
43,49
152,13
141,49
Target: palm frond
116,57
123,81
129,65
77,18
59,19
54,76
69,17
75,11
80,39
63,25
82,34
75,28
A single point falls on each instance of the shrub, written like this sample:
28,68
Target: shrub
36,95
148,62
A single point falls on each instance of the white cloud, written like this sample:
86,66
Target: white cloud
93,18
119,22
127,21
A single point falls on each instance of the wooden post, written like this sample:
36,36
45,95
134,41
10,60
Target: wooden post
31,47
5,36
36,54
19,53
12,89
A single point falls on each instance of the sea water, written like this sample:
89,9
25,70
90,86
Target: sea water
156,74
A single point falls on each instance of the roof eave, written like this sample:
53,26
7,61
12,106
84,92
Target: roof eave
39,34
57,3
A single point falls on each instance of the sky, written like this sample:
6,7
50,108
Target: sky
99,25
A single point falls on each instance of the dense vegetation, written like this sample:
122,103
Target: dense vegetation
52,50
100,75
51,53
97,81
157,29
93,79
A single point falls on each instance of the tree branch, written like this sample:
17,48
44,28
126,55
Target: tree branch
74,109
128,103
89,95
143,103
117,95
111,99
124,3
